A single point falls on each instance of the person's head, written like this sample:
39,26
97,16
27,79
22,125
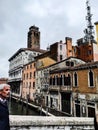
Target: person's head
4,91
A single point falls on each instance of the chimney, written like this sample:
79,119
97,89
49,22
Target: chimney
68,42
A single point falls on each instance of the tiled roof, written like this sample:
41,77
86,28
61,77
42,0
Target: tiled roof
77,67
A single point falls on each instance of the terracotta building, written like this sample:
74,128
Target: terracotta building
28,82
86,51
87,47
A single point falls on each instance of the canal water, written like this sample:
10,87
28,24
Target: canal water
17,108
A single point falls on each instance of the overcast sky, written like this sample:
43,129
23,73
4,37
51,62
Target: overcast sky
56,20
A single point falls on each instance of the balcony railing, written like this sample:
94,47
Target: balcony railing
60,88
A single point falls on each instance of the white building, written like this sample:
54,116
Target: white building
17,62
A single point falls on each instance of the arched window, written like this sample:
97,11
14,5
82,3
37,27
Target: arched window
69,80
91,79
54,80
57,80
75,79
61,80
50,80
56,77
64,80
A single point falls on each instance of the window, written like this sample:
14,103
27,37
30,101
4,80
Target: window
34,64
56,77
89,52
61,80
64,80
67,63
31,66
30,75
75,79
50,80
72,63
91,79
58,80
61,57
24,76
26,84
67,80
27,75
54,80
34,74
60,47
33,85
29,84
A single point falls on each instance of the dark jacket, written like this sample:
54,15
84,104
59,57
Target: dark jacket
4,117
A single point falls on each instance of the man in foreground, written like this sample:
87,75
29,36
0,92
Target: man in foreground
4,113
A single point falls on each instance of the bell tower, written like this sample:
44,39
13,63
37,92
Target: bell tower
33,40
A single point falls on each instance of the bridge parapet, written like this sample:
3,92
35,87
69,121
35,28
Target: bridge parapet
50,123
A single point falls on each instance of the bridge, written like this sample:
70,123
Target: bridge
50,123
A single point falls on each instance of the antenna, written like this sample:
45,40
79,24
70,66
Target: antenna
89,38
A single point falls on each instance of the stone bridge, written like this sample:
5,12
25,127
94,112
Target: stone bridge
50,123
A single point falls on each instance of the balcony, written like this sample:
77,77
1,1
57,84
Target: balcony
14,79
54,88
66,88
60,88
44,88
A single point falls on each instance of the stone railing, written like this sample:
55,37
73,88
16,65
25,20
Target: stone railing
50,123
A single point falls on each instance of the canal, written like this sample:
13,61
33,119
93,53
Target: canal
18,108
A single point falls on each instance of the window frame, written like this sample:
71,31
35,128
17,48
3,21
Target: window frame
89,82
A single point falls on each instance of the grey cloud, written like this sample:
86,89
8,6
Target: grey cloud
56,19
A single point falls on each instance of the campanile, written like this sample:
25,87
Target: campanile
33,40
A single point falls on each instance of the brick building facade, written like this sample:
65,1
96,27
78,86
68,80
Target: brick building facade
86,51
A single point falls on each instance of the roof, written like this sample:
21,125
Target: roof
69,58
24,49
78,67
96,23
47,53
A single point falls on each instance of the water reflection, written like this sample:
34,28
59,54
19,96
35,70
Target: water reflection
17,108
